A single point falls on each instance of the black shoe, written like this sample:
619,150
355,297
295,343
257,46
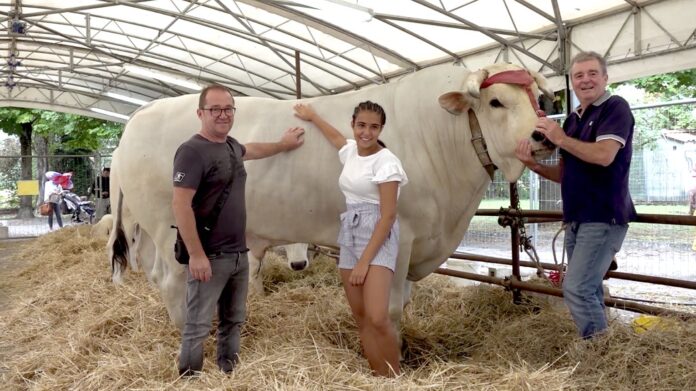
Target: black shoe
227,366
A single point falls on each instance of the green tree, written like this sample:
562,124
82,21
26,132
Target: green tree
675,85
660,88
9,172
58,132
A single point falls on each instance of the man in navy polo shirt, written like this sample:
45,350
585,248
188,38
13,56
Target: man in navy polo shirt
595,147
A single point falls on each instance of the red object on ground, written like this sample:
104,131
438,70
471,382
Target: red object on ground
555,278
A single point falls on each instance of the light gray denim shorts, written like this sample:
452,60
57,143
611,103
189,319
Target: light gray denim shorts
357,225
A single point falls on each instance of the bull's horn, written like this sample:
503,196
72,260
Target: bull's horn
543,84
473,82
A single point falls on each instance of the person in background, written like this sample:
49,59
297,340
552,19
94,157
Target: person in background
369,237
52,196
595,146
100,190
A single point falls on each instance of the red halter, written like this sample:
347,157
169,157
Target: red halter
520,78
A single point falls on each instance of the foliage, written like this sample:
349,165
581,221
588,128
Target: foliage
675,85
659,88
11,120
651,122
70,130
9,171
66,134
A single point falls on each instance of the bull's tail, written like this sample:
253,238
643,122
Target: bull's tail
119,253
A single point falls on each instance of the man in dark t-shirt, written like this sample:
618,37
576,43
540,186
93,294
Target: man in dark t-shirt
218,270
595,146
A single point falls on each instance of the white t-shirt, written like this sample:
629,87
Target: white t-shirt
362,174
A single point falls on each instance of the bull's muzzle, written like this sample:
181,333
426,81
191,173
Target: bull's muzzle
541,138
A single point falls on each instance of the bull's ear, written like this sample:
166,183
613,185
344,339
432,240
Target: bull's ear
543,84
455,102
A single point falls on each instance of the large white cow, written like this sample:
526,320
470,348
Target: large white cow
143,254
294,197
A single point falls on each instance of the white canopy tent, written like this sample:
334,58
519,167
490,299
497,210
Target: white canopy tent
111,56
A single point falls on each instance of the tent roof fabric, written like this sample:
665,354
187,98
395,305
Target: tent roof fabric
112,56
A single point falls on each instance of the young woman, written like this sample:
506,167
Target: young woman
369,235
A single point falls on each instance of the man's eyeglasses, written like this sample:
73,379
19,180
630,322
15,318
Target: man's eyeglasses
217,111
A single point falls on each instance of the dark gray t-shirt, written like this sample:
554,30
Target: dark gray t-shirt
206,166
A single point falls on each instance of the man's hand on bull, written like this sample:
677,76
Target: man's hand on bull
551,130
523,151
199,266
292,139
304,112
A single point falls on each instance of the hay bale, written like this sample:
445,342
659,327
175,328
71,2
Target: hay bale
71,328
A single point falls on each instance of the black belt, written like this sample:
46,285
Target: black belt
219,253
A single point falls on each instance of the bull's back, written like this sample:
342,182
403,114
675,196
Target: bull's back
295,196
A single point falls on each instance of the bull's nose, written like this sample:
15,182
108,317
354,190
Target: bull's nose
298,265
538,136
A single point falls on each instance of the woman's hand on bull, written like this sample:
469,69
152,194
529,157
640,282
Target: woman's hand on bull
304,112
199,266
551,130
357,276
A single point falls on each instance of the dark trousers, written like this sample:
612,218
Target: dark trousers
56,210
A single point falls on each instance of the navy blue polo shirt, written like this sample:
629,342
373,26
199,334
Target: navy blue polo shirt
592,193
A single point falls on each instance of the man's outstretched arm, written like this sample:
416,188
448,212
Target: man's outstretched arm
292,139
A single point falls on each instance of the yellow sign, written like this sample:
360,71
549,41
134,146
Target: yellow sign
26,188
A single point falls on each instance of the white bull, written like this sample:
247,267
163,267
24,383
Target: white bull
294,197
143,253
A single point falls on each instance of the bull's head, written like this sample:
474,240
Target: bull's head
502,110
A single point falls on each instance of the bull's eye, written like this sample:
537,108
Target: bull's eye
496,103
